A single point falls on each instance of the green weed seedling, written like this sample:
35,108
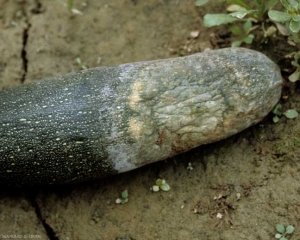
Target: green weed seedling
69,4
277,111
295,62
291,20
161,184
241,10
258,13
282,231
190,167
295,75
79,62
243,34
123,199
290,17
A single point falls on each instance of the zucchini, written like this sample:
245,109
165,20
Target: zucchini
102,121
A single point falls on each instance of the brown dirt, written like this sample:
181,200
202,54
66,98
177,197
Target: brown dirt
252,179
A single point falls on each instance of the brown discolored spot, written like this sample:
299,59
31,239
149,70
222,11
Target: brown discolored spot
179,146
161,137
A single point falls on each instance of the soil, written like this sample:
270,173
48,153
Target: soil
239,188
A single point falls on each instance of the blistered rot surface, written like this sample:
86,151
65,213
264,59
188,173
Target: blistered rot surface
106,120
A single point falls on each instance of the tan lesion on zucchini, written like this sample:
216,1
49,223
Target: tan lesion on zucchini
136,124
172,115
135,128
178,106
134,97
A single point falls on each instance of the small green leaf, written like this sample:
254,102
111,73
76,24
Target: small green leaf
211,20
249,39
294,76
278,16
295,64
285,4
242,14
294,37
270,31
235,8
297,56
295,17
78,60
275,119
283,238
165,187
247,26
239,15
236,43
290,229
294,3
124,194
199,3
294,26
277,109
159,182
291,113
278,235
155,188
271,3
236,30
280,228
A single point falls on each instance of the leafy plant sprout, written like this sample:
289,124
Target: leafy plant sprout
295,75
69,4
123,199
190,167
258,13
290,18
79,62
240,10
161,184
282,231
277,111
243,34
253,15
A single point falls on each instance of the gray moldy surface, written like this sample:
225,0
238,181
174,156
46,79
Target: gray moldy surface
250,179
107,120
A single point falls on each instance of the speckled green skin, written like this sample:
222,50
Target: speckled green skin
107,120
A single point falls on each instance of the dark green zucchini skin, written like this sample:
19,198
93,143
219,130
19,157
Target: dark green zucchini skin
103,121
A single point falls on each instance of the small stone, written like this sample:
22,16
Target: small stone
195,34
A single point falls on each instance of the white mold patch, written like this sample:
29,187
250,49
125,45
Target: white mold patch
120,155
